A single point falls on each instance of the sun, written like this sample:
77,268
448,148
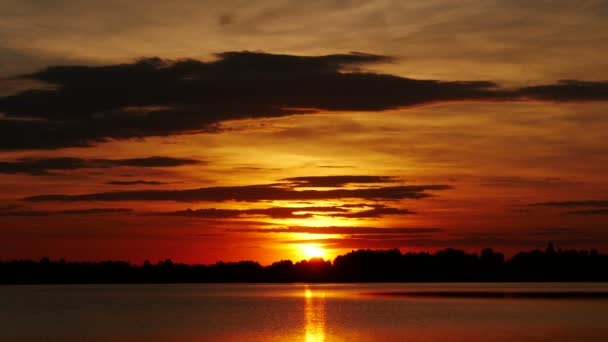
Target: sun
312,251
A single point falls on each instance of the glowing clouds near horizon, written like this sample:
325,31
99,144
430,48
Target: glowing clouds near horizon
267,155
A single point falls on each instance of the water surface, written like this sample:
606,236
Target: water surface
305,312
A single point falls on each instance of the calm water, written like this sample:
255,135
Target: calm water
299,312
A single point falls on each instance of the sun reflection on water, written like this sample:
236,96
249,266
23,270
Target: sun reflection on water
314,311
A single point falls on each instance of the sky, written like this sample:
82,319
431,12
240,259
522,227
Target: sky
264,130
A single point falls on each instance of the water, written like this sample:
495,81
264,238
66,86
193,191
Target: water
300,312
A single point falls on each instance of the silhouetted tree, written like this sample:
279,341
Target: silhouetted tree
357,266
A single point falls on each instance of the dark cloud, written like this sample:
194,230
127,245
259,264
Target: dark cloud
335,166
336,181
207,213
377,211
291,212
44,166
590,212
251,193
85,105
155,162
371,241
594,207
254,168
136,182
555,231
365,242
11,207
572,204
156,97
92,211
568,90
363,237
342,230
274,212
514,181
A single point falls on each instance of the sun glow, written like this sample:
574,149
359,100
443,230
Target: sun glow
313,251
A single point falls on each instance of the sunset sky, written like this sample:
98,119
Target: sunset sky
264,130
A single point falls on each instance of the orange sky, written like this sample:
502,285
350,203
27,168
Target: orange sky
450,128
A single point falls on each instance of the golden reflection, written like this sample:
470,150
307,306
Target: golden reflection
314,312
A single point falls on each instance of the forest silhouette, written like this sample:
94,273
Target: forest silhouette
448,265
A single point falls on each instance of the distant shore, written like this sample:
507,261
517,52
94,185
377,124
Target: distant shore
361,266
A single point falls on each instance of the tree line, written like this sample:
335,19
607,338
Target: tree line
447,265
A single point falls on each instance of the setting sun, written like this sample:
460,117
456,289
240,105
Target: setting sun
313,251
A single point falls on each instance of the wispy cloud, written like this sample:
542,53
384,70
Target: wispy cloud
572,204
590,212
336,181
274,212
294,212
136,182
91,211
251,193
342,230
45,166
